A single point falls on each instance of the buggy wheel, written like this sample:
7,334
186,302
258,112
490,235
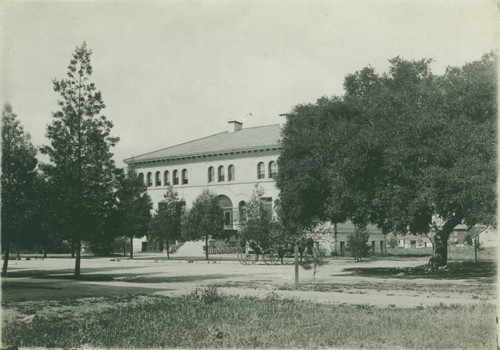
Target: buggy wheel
270,257
247,257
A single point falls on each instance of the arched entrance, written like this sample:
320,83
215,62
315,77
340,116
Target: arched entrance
227,209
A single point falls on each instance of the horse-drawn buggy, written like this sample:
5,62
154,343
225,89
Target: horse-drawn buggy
253,251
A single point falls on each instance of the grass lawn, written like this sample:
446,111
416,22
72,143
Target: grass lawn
207,319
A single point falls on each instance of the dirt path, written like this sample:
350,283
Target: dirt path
40,284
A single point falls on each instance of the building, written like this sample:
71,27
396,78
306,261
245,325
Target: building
229,163
413,241
457,237
487,236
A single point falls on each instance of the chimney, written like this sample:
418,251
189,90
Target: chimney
234,125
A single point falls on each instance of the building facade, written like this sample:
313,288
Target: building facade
230,164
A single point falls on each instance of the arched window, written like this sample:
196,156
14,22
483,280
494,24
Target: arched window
166,178
184,177
227,210
261,171
176,177
220,173
149,179
211,174
157,179
230,173
242,211
273,169
141,177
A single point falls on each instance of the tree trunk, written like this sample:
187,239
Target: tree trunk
168,249
78,256
206,246
441,241
44,254
441,248
131,247
440,245
476,247
18,256
6,259
124,246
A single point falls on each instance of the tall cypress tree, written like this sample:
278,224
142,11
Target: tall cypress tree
81,168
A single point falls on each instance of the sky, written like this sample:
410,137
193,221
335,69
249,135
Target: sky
175,71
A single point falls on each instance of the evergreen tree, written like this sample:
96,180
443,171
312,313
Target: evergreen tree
81,165
133,208
204,219
357,243
259,222
166,224
18,176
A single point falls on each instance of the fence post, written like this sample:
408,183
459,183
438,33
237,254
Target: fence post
296,253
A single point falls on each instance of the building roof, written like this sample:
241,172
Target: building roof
478,229
349,227
241,141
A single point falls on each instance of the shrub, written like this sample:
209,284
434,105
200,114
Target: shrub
208,295
314,260
357,243
392,242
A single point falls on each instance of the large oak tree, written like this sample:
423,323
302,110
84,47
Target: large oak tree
407,150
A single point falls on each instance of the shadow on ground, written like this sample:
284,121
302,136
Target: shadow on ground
454,271
18,291
88,276
48,273
59,284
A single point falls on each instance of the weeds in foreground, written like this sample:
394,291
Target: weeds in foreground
208,319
